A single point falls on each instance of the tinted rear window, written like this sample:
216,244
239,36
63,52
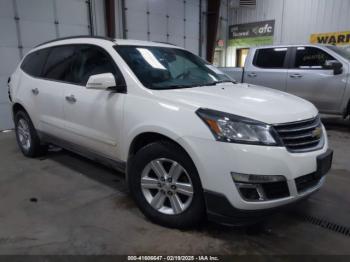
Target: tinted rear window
270,57
33,64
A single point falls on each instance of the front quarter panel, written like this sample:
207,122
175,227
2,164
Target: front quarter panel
144,114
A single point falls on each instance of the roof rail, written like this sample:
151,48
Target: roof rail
75,37
160,42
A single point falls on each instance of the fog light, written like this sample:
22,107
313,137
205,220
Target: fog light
256,179
251,187
251,192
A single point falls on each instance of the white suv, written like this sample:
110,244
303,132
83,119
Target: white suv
191,142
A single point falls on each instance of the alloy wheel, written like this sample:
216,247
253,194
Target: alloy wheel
24,134
166,186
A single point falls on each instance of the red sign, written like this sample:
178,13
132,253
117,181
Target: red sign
220,43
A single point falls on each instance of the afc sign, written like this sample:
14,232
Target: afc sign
252,30
266,29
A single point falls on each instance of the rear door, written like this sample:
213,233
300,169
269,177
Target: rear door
55,76
34,89
308,79
268,67
93,118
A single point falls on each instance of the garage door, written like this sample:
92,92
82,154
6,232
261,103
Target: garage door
26,23
171,21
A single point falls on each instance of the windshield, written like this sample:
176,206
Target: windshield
166,68
342,51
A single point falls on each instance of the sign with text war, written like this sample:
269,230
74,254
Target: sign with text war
335,38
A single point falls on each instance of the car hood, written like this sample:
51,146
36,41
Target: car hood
255,102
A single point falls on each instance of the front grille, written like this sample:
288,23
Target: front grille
301,136
276,190
306,182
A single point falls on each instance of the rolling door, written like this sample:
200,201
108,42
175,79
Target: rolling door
171,21
26,23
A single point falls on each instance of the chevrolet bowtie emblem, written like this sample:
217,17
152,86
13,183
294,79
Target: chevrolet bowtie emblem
317,132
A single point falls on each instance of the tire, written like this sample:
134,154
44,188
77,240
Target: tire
191,211
27,137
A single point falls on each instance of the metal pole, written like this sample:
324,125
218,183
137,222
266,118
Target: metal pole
90,18
110,17
123,19
200,29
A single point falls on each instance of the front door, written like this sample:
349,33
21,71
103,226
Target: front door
93,118
308,79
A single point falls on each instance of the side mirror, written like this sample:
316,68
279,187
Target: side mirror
334,65
104,82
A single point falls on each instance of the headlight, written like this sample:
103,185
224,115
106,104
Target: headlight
236,129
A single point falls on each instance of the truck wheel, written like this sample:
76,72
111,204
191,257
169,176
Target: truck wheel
166,186
26,135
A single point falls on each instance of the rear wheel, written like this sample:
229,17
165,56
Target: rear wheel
26,135
165,185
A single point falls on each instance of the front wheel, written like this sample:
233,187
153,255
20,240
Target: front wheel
166,186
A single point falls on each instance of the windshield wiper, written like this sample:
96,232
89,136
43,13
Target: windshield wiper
173,87
187,86
225,81
193,85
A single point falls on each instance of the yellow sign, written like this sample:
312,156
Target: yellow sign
336,38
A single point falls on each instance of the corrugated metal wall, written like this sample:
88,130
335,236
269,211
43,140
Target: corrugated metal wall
264,10
295,20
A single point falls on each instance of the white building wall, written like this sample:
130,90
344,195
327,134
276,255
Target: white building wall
305,17
98,17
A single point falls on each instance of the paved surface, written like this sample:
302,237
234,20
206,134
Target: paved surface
65,204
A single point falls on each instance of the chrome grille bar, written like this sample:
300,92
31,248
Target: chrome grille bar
301,136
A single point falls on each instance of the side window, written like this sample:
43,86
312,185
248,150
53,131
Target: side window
270,57
90,61
33,64
59,63
311,57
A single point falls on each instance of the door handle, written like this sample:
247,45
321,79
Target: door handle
71,99
35,91
252,74
296,76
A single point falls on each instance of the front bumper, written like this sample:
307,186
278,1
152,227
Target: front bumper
215,161
221,211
